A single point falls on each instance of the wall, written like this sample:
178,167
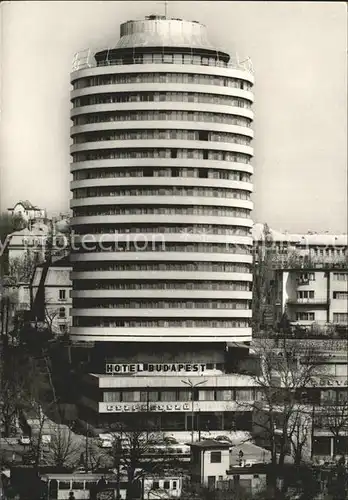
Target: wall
215,469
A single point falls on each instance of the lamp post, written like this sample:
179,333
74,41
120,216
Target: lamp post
192,386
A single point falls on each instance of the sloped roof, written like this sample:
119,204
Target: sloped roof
27,205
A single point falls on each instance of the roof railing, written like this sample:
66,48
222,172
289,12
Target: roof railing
85,59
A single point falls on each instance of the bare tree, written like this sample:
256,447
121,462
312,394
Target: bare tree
63,450
334,416
131,450
300,434
286,370
263,272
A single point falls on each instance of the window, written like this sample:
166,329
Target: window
340,276
305,294
77,485
340,295
62,295
305,316
174,485
340,318
305,277
64,485
166,485
155,485
244,395
112,397
62,313
215,457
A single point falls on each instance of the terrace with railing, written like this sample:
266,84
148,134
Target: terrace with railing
86,59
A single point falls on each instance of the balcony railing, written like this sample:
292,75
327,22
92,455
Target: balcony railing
85,59
307,301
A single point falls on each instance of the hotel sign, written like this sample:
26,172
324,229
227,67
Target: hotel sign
328,382
145,407
153,368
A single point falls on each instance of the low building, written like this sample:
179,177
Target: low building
322,412
28,243
227,467
182,390
51,295
28,211
88,485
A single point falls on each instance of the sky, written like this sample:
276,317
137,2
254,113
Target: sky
298,50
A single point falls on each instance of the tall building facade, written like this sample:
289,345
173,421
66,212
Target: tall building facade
162,183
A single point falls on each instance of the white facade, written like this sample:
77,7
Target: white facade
161,185
57,295
28,242
27,211
315,296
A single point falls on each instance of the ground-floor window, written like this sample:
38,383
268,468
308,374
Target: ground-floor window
170,421
322,445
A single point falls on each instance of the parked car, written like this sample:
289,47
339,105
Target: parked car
105,443
24,440
223,439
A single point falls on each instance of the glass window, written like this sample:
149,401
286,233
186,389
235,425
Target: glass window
130,396
168,395
166,485
64,485
244,394
77,485
62,295
215,457
206,395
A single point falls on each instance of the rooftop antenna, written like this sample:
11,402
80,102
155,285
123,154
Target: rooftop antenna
165,8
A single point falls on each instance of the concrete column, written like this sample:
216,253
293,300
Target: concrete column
332,446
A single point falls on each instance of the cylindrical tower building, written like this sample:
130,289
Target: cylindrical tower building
162,180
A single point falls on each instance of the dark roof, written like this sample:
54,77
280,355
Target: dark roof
62,262
27,205
210,444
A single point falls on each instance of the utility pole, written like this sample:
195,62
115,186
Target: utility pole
193,387
87,449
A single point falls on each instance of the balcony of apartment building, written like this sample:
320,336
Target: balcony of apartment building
316,301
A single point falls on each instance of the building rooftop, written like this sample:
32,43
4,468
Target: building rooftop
310,239
160,31
27,205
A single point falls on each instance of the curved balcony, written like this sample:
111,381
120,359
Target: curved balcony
161,256
162,294
100,334
161,219
162,87
161,106
162,162
162,144
162,200
235,71
161,275
192,182
162,313
305,302
183,236
161,124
